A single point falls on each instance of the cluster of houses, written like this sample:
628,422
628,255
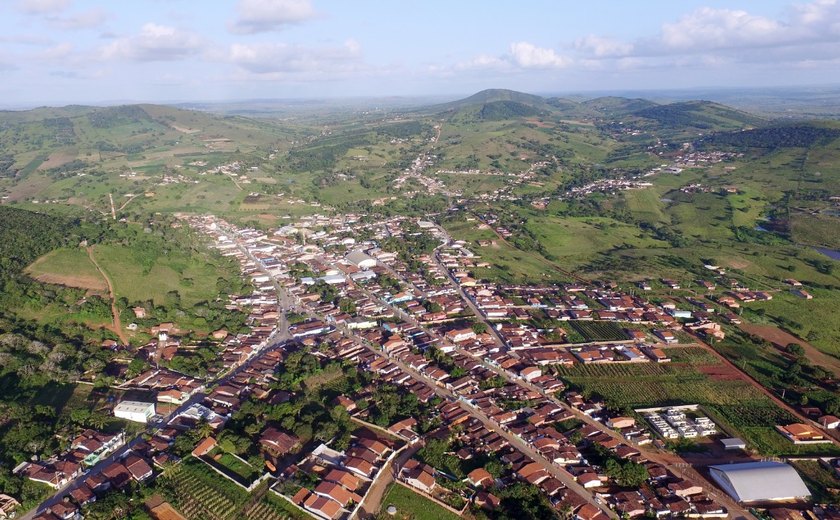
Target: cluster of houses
507,391
343,476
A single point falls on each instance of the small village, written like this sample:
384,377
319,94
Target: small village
481,372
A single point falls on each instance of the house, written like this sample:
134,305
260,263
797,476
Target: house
138,468
459,335
322,507
278,443
348,480
334,492
83,495
666,335
829,421
64,510
530,373
800,433
204,447
419,475
480,477
619,423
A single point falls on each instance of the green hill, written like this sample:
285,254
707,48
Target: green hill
705,115
612,106
493,96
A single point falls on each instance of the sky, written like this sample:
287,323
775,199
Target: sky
55,52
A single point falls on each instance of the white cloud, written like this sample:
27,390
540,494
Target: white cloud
84,20
255,16
280,59
529,56
155,43
43,6
721,28
603,47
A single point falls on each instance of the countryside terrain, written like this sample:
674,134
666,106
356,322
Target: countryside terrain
646,198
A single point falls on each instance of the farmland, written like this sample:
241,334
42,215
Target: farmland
599,330
199,494
734,403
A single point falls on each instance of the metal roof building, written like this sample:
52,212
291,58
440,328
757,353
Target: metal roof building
760,481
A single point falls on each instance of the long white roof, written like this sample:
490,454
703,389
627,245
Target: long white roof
760,481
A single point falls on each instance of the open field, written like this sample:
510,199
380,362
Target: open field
69,267
412,505
782,339
138,280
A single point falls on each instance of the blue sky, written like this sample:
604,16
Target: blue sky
87,51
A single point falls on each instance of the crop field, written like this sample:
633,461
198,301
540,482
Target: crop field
199,493
599,330
69,267
412,505
734,404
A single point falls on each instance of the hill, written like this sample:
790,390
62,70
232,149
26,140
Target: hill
611,106
705,115
492,96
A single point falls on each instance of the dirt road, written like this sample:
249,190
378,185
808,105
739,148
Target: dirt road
117,326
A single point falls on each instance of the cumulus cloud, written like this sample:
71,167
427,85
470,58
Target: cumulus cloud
279,59
721,28
155,42
529,56
43,6
255,16
716,38
521,55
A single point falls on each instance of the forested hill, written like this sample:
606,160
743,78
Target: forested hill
26,235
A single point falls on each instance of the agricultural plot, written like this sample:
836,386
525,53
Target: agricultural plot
201,494
599,330
734,404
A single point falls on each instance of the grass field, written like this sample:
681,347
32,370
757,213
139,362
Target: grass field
69,267
410,505
195,281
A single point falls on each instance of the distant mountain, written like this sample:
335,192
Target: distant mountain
492,95
705,115
611,106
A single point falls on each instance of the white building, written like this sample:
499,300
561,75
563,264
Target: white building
135,411
361,260
765,481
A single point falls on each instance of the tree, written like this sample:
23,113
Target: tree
627,474
479,327
796,349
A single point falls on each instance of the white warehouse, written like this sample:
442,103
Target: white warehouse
136,411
